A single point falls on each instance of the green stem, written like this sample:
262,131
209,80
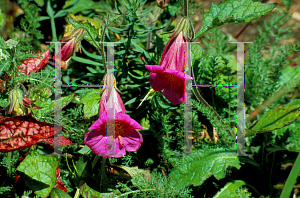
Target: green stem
53,29
291,180
9,156
185,8
201,99
103,174
102,47
136,191
99,49
95,161
77,193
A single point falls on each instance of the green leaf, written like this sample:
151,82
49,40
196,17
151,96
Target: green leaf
87,192
40,2
93,30
97,57
49,10
4,66
57,193
39,172
229,190
85,61
85,150
294,139
91,103
234,12
48,105
81,5
194,170
276,118
84,167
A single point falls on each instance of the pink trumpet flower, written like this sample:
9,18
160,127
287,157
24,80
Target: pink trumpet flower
169,74
125,134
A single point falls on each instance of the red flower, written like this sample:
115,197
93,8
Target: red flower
32,65
70,45
169,74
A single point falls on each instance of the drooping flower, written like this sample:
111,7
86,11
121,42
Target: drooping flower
70,45
162,3
32,65
112,134
169,74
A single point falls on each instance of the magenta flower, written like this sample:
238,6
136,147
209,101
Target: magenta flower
126,137
169,74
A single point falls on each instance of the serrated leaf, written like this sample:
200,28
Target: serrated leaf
234,12
91,103
229,190
39,173
57,193
94,32
194,170
20,132
276,118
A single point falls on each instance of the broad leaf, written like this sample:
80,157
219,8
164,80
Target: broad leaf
21,132
39,172
57,193
194,170
276,118
88,192
229,190
91,103
233,11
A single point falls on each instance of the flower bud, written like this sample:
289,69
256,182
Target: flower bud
70,45
15,100
162,3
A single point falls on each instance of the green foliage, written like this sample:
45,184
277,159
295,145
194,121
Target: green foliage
39,172
233,11
276,118
231,190
195,169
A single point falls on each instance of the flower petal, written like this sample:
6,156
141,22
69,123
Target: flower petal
175,91
158,81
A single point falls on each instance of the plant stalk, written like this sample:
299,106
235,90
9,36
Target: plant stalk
185,8
291,180
53,29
